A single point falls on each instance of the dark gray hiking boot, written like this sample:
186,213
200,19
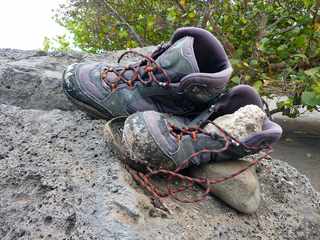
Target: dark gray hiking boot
163,141
181,78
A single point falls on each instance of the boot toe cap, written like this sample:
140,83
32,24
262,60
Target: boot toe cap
69,79
84,91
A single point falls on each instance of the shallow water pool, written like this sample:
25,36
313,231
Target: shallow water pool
301,151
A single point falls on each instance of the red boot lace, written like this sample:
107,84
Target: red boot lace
178,133
149,66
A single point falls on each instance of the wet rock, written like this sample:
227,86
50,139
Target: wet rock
241,192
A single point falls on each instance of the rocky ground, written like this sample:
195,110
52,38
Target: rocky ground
58,179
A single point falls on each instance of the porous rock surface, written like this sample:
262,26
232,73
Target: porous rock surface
240,124
58,179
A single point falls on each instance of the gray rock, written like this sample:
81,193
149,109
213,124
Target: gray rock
241,192
240,124
58,179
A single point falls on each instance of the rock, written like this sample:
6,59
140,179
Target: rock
240,124
58,179
241,192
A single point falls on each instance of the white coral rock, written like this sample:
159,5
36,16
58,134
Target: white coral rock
240,124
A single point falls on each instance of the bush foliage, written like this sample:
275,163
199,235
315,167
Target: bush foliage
274,45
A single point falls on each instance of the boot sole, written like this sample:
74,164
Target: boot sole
92,112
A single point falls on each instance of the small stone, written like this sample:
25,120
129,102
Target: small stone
240,124
241,192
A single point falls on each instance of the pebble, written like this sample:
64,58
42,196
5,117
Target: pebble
241,192
240,124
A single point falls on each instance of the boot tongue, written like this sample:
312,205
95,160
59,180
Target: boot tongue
179,60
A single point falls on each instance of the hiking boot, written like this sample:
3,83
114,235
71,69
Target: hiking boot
164,141
182,77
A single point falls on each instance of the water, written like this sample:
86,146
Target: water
301,151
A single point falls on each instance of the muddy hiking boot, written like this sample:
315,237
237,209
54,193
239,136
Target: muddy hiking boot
166,141
182,78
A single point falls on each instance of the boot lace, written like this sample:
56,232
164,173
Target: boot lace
178,133
149,65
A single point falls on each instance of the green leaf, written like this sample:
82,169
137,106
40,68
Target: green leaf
300,41
235,80
123,34
284,104
310,98
150,22
301,55
192,14
238,53
243,20
254,62
307,3
258,85
245,64
316,88
235,61
312,71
